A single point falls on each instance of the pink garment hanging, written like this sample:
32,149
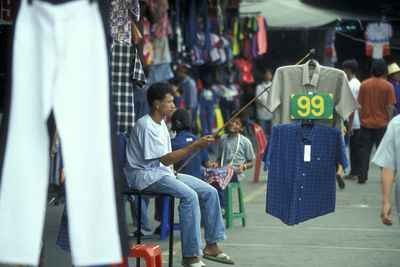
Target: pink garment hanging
261,36
245,66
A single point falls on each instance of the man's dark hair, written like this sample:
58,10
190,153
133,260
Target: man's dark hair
379,68
244,118
181,120
268,70
350,64
158,91
175,81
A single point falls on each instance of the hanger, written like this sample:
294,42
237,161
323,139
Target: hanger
307,123
312,57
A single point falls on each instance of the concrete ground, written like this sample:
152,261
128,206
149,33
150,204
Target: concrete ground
351,236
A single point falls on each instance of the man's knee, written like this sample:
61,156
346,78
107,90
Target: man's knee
190,195
211,192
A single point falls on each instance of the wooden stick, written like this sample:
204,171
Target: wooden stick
312,51
236,114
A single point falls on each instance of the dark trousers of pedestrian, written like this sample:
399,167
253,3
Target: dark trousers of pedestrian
355,155
228,106
368,137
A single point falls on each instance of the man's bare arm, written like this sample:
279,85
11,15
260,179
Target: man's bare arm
389,111
387,180
177,155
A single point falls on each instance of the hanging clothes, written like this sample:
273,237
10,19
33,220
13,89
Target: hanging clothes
296,79
236,46
261,36
162,52
138,75
189,12
148,51
61,66
160,73
308,190
377,38
206,102
330,51
180,48
121,55
163,27
245,66
120,22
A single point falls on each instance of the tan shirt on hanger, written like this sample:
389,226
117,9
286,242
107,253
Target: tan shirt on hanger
297,79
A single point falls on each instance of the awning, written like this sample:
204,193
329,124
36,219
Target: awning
286,14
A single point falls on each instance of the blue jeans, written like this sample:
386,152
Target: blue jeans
195,196
206,118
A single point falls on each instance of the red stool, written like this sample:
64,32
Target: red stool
151,254
261,145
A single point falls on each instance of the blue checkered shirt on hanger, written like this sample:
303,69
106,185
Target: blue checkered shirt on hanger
297,190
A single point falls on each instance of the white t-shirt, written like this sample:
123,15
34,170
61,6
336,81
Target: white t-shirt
244,152
354,85
148,142
388,156
262,112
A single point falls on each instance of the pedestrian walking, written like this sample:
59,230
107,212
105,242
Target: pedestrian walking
350,67
388,158
376,98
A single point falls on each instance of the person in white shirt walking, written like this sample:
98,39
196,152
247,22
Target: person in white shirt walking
350,67
264,116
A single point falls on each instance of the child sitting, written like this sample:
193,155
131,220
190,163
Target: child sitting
181,121
235,149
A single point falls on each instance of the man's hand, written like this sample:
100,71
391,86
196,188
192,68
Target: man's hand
204,141
62,175
214,164
351,130
385,213
240,169
52,152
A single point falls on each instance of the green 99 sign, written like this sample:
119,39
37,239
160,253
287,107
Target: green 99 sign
308,106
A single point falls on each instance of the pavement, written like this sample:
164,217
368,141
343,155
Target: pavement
351,236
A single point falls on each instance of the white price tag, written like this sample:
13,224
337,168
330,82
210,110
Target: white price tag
307,153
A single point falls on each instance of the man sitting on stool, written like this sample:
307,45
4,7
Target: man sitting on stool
149,167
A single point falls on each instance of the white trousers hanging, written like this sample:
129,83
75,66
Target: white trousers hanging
59,63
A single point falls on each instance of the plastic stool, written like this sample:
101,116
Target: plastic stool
229,214
151,254
261,145
139,195
165,223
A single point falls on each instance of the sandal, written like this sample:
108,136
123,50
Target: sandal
197,264
221,258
